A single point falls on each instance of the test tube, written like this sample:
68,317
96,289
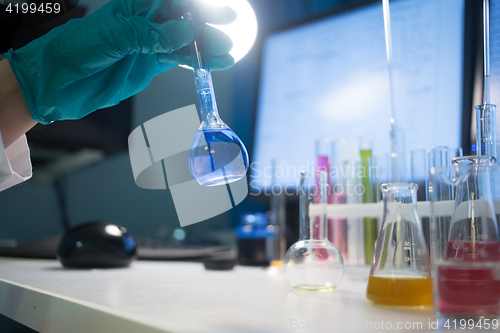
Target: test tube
420,176
398,157
384,169
324,150
277,216
348,181
369,196
439,156
346,187
337,227
439,159
454,152
419,172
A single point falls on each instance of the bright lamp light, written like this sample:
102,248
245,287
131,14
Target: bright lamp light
243,31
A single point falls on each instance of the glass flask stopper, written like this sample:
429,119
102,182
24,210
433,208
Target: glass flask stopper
313,262
217,155
400,272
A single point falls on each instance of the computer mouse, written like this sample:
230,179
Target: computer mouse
97,245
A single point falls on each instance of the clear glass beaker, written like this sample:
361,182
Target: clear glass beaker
217,155
400,272
313,262
465,245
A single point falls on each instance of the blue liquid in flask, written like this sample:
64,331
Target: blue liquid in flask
217,157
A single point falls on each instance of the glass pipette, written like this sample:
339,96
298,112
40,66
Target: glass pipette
486,113
398,167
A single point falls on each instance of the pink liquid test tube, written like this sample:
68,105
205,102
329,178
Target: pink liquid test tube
337,227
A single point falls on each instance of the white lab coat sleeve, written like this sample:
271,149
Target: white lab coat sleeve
15,163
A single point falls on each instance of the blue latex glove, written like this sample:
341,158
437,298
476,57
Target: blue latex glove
101,59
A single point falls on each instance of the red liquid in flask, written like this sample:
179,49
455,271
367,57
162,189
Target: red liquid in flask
470,289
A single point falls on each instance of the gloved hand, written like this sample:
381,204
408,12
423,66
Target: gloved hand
101,59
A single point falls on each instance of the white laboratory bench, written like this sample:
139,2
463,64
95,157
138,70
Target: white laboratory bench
153,296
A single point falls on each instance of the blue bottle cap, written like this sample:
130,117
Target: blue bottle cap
256,219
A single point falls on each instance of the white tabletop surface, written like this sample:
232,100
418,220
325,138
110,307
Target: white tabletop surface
184,297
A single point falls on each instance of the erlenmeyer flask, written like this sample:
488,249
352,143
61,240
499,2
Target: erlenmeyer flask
313,262
468,281
217,155
473,225
400,272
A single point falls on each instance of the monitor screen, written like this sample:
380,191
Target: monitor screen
329,78
495,58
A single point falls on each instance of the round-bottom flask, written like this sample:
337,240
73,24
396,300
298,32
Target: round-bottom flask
217,155
313,263
400,274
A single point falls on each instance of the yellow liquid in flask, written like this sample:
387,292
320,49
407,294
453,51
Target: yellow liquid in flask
399,291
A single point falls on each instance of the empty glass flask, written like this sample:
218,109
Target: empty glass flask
313,262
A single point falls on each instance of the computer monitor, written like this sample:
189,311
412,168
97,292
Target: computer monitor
328,77
494,61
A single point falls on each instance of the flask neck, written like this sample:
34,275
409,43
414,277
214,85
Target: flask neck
203,81
400,199
474,177
474,218
400,193
206,99
312,227
313,208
